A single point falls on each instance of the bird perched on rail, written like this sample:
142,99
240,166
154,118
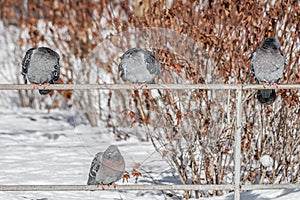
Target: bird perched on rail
267,65
107,167
41,66
139,66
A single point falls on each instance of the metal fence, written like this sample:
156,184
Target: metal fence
237,186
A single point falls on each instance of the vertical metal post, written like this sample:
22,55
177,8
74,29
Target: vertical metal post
237,150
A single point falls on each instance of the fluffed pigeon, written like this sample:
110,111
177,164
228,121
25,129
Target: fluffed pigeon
267,65
139,66
107,167
41,66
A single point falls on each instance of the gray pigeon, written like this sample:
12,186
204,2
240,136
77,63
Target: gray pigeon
107,168
267,65
41,66
139,66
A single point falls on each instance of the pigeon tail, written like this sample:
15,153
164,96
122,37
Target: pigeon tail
44,92
266,93
92,181
24,78
266,97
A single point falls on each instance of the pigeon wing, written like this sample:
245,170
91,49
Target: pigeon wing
121,71
152,64
55,73
95,167
25,63
251,63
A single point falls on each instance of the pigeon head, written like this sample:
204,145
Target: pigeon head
112,152
271,43
46,50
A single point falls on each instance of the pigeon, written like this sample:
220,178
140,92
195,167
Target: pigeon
107,168
267,65
139,66
41,66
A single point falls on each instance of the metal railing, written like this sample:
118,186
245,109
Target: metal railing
149,86
237,187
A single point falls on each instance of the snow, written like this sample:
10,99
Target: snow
42,148
49,148
266,161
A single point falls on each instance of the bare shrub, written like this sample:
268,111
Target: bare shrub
195,42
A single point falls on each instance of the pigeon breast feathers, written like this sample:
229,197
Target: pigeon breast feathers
152,64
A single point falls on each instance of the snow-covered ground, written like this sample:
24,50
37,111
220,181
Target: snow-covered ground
37,147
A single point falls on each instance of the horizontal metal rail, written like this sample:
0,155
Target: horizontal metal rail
149,86
117,187
142,187
270,186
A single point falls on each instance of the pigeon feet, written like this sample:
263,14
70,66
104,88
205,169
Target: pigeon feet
46,85
140,86
144,85
101,185
135,86
275,85
35,86
265,84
